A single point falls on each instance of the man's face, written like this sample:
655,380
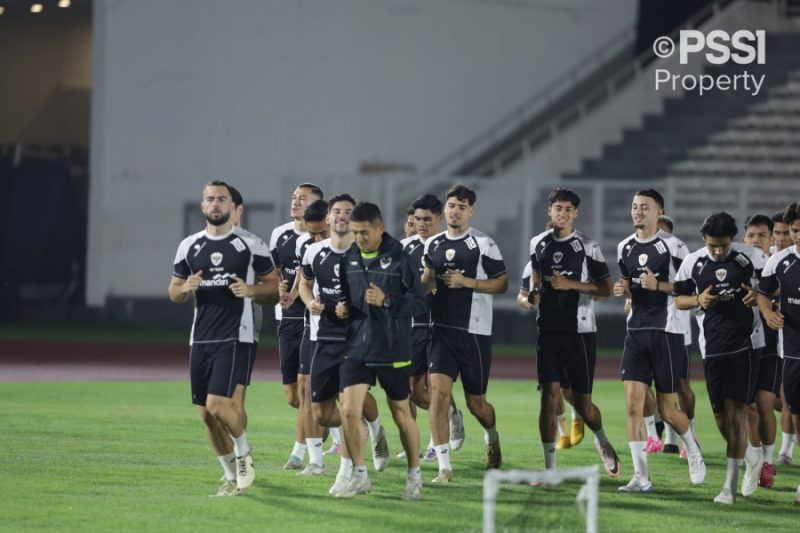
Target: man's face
301,198
718,247
410,226
758,236
339,217
794,231
217,205
780,236
427,223
318,231
367,235
645,212
457,212
562,215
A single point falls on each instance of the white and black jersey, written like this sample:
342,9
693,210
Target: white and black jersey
662,254
322,263
577,257
525,282
414,248
476,256
728,327
783,272
282,246
219,314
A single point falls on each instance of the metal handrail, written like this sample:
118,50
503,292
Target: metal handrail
614,80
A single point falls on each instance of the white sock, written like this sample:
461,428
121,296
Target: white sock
753,456
549,449
600,437
732,474
315,451
360,471
240,446
639,459
227,462
575,416
691,425
560,422
414,473
299,449
787,442
650,425
450,411
443,455
345,468
490,435
689,443
374,428
671,436
336,434
769,453
430,443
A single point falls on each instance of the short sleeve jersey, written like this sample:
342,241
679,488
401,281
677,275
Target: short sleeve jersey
662,254
476,256
728,327
322,263
783,272
219,314
578,258
282,246
525,282
414,248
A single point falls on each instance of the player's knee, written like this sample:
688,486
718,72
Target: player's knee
476,404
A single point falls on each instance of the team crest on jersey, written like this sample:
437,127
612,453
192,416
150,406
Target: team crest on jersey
557,257
336,270
385,262
721,274
450,254
643,259
216,258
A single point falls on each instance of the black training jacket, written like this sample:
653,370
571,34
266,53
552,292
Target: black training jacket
381,336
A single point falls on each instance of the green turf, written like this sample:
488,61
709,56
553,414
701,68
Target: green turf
132,456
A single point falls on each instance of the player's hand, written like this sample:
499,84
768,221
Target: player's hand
560,282
619,289
534,296
374,295
285,297
628,305
750,298
239,288
342,311
706,299
193,282
775,320
316,307
455,279
648,280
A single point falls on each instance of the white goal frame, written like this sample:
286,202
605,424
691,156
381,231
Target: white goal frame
588,494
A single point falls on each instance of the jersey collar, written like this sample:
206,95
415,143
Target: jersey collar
218,237
457,237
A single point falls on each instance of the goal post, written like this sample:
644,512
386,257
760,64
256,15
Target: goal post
586,499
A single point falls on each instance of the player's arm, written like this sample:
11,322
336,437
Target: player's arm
264,292
600,288
179,288
429,279
305,288
622,288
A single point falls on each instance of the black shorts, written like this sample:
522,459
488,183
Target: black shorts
791,384
306,351
686,362
217,368
394,381
290,333
325,363
731,377
455,351
654,355
567,357
769,374
421,343
251,364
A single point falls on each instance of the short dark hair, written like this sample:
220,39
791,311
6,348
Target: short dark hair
366,212
792,213
316,211
777,218
236,196
219,183
461,192
429,202
652,193
410,211
719,224
341,198
759,220
563,194
666,220
313,188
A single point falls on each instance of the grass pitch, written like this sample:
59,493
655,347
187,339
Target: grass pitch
133,456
